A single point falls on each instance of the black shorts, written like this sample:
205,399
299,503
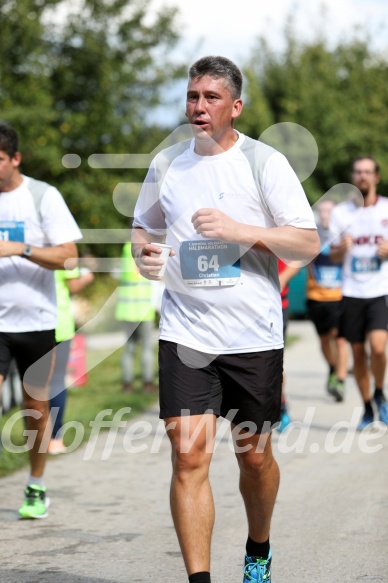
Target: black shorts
33,353
325,315
242,387
360,316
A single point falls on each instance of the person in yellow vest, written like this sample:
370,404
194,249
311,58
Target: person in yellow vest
135,309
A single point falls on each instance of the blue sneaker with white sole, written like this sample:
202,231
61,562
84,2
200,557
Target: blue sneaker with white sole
366,420
382,408
257,570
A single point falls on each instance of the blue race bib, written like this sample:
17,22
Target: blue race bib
210,263
12,231
365,264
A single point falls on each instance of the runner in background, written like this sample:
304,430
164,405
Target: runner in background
360,234
33,244
324,296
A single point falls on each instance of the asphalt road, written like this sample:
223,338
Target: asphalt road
109,518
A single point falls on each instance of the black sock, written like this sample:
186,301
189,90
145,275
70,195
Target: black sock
378,396
332,369
255,549
368,407
202,577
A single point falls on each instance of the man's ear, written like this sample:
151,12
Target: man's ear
16,160
237,108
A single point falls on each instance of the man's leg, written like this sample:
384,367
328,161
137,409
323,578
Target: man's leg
128,355
58,396
147,353
361,374
37,422
342,358
191,499
259,483
328,347
35,357
360,369
378,362
378,344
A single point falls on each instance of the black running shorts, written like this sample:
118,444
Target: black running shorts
33,353
360,316
242,387
324,315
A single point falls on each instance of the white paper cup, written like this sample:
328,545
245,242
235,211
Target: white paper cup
163,255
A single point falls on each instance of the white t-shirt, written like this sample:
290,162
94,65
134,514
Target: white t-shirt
208,304
27,291
364,275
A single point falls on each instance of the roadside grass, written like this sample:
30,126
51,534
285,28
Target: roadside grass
290,339
102,392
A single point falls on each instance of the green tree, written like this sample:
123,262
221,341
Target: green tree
339,94
85,86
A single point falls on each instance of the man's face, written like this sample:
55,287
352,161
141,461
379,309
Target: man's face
8,169
324,210
210,107
364,175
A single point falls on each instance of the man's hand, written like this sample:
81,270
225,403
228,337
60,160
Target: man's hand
346,243
214,224
337,252
146,263
382,249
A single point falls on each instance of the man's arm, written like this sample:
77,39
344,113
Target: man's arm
338,252
77,284
287,243
64,256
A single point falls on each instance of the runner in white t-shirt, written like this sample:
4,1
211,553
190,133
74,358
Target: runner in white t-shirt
35,239
227,205
361,244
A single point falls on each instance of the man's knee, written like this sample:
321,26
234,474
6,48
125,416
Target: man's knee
359,353
255,460
40,409
378,350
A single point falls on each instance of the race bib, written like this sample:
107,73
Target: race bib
365,264
210,263
12,231
328,276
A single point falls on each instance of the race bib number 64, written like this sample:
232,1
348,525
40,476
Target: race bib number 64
210,263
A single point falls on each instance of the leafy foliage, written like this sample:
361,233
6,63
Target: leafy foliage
82,87
340,95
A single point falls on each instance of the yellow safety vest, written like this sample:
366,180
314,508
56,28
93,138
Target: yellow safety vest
135,298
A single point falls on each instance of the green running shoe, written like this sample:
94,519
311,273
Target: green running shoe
35,503
339,391
257,570
331,383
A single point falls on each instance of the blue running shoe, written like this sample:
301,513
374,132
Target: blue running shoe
382,407
285,420
366,419
257,570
